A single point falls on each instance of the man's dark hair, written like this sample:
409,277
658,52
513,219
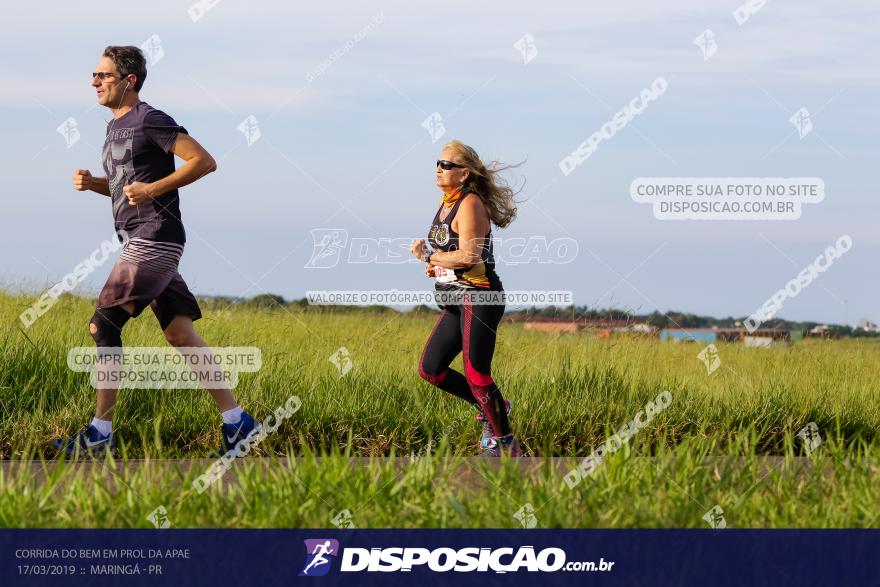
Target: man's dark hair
128,60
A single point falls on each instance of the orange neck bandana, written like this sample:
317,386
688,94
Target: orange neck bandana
450,198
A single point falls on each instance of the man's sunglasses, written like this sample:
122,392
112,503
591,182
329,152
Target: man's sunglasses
447,165
101,75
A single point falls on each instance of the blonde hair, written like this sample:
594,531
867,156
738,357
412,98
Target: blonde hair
496,194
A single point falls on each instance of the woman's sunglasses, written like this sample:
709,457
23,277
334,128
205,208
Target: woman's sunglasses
447,165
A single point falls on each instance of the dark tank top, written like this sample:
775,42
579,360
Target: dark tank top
442,238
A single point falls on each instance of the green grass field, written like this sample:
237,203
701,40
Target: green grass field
711,446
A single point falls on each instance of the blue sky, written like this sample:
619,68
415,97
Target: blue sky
356,132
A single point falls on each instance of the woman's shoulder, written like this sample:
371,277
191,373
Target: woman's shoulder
471,209
472,202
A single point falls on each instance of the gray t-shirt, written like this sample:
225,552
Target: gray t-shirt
137,149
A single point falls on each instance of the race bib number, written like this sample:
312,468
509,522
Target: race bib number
444,275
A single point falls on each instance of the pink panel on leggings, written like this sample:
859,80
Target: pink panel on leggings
433,379
477,378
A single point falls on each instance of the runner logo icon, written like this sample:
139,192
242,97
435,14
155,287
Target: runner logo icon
318,553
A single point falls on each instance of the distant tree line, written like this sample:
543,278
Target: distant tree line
671,319
676,319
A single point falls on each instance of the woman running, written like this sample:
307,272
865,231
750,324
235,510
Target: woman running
468,290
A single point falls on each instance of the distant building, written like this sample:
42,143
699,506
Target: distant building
689,334
821,331
602,328
549,326
868,326
761,337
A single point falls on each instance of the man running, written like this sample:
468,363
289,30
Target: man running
468,289
141,180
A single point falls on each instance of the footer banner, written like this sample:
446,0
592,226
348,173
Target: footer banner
440,557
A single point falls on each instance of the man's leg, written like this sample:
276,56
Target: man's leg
106,330
180,333
176,308
237,424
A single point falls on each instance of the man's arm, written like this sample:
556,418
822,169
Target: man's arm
83,181
198,164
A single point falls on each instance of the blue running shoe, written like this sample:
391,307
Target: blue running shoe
487,426
87,442
232,434
494,446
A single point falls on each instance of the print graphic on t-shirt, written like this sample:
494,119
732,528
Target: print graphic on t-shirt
118,164
440,233
142,151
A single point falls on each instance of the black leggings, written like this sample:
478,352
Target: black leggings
470,329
